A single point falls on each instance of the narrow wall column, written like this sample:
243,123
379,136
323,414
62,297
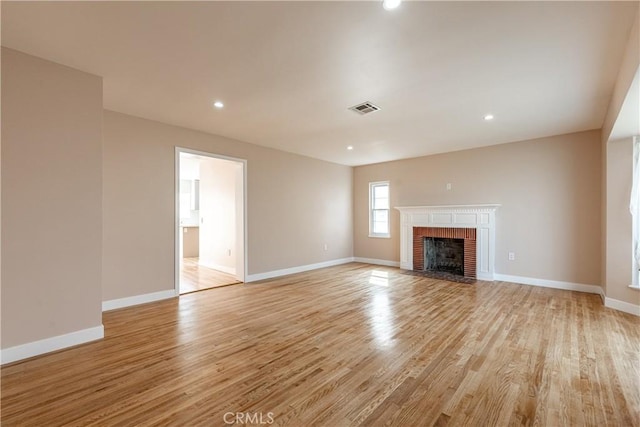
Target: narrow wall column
51,206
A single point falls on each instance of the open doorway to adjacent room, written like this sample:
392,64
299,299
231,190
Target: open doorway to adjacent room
210,221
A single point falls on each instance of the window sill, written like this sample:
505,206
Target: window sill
634,287
380,236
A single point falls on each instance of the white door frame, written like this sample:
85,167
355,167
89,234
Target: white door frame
241,273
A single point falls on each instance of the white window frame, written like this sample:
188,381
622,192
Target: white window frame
387,235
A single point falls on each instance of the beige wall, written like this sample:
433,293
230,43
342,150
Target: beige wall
0,207
295,205
51,199
619,229
218,213
616,184
549,189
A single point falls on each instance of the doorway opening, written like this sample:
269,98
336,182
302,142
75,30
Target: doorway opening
210,221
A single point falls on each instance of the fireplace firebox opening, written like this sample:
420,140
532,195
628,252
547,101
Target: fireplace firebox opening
443,254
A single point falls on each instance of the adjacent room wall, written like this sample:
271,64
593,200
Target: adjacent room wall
295,205
619,231
51,200
549,189
218,214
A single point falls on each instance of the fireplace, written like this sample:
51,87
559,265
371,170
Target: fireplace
445,249
479,218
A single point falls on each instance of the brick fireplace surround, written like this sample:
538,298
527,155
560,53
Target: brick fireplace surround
468,234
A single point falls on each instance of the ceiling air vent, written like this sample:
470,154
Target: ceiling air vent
364,108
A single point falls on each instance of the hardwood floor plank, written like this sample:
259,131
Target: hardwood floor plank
195,277
349,345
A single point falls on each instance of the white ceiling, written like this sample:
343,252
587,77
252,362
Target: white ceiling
288,71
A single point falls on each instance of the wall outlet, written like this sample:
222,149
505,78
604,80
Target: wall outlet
512,256
326,247
448,186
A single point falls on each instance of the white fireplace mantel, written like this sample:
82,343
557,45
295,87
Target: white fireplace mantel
480,217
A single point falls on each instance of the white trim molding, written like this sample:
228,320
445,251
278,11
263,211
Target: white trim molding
626,307
293,270
137,299
480,217
555,284
377,261
47,345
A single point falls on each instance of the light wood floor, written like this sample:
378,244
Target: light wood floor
348,345
194,277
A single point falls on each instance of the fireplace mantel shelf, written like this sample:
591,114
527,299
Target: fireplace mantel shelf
449,207
481,217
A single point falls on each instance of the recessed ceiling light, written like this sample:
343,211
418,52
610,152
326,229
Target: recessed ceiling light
488,117
390,4
218,104
349,147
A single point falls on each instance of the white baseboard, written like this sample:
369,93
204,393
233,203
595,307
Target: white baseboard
293,270
228,270
137,299
377,261
556,284
489,277
47,345
626,307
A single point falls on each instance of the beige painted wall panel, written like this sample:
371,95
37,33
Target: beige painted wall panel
51,199
0,209
218,214
619,244
549,189
603,215
295,204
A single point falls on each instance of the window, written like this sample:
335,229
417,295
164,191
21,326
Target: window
379,209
